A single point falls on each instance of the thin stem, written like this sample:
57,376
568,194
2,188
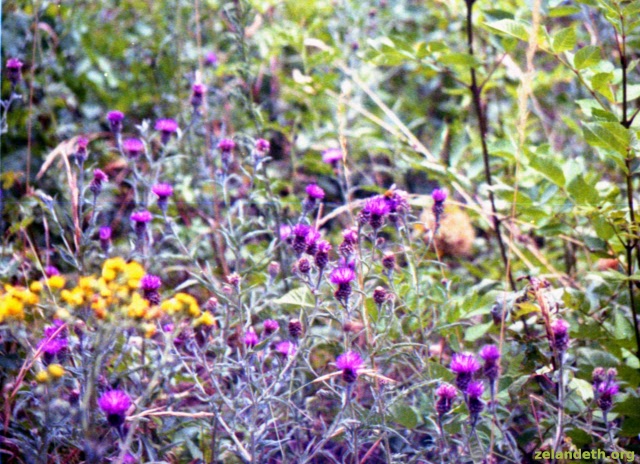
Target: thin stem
482,122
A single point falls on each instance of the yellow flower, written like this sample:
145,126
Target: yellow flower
138,306
190,302
56,282
134,272
62,314
55,370
99,306
36,286
87,284
206,319
11,308
149,330
73,297
42,377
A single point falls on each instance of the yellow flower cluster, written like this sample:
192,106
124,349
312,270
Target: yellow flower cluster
181,304
13,301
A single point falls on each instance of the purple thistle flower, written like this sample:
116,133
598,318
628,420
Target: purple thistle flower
96,184
226,147
312,239
133,147
349,241
445,393
474,401
167,127
140,220
150,285
286,348
605,393
197,95
303,265
397,203
439,195
491,355
211,59
349,363
380,295
115,119
464,366
560,331
53,347
250,338
374,211
322,254
105,238
163,192
300,232
332,156
389,262
115,404
475,388
129,459
270,326
262,147
314,192
51,271
342,277
14,70
81,150
285,232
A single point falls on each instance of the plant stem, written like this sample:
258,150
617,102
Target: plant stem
476,92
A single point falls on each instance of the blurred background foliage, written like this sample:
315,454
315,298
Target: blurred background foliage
385,79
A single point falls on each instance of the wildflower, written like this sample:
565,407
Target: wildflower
303,265
438,196
560,332
342,277
262,147
56,282
285,232
389,262
42,377
379,295
332,156
150,285
311,240
51,271
491,354
300,232
349,241
397,203
322,254
80,155
14,70
464,366
211,59
163,192
474,402
250,338
115,119
133,147
141,219
115,404
55,370
314,195
96,184
53,348
211,304
445,393
295,328
206,320
350,363
286,348
374,211
234,279
105,238
166,127
226,147
606,392
270,326
197,95
598,376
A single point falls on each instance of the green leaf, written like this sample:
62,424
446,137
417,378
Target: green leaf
405,415
631,9
587,56
546,166
582,387
473,333
602,227
610,135
564,40
300,296
600,83
511,28
460,59
583,193
564,10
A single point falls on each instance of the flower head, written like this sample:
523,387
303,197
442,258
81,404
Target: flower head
286,348
439,195
332,156
166,125
250,338
314,192
115,404
115,119
150,282
14,70
270,326
342,276
162,191
475,389
211,59
133,147
262,146
51,271
490,353
464,366
226,145
474,401
350,363
374,211
560,331
99,177
445,393
197,94
141,217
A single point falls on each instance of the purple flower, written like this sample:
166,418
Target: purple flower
349,241
211,59
133,147
285,232
439,195
167,127
314,192
342,275
397,203
150,285
81,149
105,237
286,348
605,393
197,94
560,331
464,366
96,184
163,192
115,119
349,363
491,355
262,146
322,254
300,232
226,145
250,338
474,403
475,389
51,271
312,239
270,326
380,295
53,347
445,393
374,211
115,404
141,217
332,156
14,70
